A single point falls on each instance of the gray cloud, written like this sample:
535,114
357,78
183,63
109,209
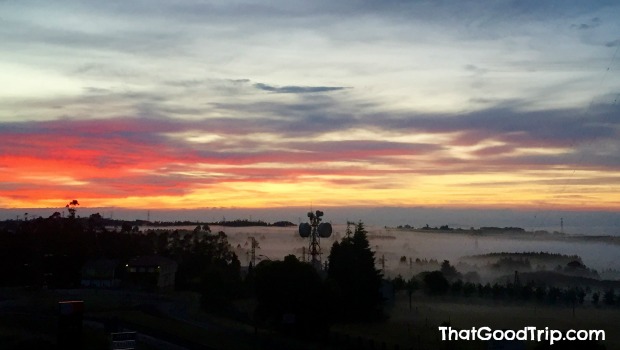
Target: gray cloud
96,90
297,89
475,69
594,22
614,43
129,40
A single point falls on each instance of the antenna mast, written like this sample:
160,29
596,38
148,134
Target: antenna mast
314,230
253,245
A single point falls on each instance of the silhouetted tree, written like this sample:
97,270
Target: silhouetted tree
449,271
126,227
469,289
609,297
498,290
484,290
220,284
354,274
554,294
527,291
196,257
581,295
436,283
399,283
286,291
540,292
456,287
71,207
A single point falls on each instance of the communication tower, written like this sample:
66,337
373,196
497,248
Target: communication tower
314,231
382,260
252,253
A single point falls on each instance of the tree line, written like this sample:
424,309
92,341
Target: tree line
448,282
290,294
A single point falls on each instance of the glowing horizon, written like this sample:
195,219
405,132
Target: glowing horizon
226,104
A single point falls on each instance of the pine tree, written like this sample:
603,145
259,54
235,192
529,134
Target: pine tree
358,281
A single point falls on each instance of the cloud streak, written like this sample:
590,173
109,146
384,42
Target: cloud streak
297,89
117,157
252,104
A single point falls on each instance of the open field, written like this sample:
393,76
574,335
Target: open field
184,323
418,327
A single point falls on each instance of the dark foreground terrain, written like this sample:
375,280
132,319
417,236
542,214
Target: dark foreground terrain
172,320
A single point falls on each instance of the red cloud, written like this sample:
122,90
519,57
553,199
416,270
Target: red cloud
120,158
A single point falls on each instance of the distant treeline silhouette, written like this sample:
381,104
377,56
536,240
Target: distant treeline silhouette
537,286
230,223
539,255
471,229
12,224
481,230
246,223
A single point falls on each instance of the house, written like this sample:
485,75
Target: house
151,272
100,273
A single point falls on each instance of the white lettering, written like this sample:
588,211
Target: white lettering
597,333
583,335
484,333
453,332
528,333
555,336
443,330
540,333
464,334
522,334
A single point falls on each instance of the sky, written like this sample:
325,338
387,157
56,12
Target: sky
267,104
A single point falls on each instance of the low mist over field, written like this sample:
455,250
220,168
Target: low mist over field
392,244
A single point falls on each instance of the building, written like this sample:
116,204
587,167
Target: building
100,273
151,272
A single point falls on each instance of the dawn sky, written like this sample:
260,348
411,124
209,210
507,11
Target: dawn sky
168,104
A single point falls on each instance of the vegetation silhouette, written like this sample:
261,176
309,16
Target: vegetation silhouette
49,252
291,297
436,283
354,277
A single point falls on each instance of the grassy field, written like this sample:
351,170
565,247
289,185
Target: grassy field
28,320
418,328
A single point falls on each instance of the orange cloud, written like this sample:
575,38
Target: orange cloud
154,163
